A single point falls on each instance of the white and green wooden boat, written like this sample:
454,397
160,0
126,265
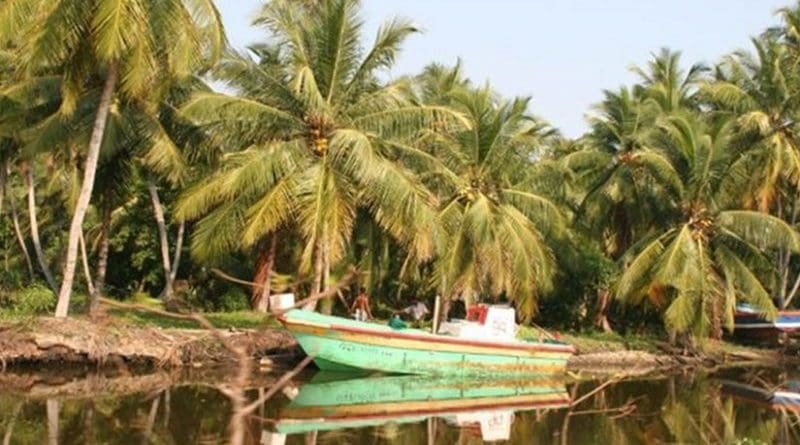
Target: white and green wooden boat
332,403
478,348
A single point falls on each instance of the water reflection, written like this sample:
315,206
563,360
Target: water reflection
331,402
755,407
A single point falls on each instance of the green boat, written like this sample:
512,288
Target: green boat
324,404
474,349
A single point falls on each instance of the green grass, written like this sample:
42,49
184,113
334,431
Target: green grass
222,320
588,342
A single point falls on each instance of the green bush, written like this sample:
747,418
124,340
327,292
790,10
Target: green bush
33,300
235,299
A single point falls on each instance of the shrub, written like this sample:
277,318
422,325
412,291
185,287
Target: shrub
235,299
33,300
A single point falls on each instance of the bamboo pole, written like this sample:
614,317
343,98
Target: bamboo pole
437,305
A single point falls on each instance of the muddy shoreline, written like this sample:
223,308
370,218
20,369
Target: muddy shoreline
109,343
45,343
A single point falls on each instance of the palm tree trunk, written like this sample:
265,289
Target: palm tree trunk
327,304
316,287
4,171
264,266
102,261
85,261
176,257
3,181
793,292
716,319
20,238
37,244
787,293
103,108
603,302
158,211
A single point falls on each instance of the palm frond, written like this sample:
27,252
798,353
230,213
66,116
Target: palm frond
761,229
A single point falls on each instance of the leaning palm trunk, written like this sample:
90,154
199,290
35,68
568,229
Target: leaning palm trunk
176,257
266,262
20,238
14,217
37,244
158,211
85,260
62,307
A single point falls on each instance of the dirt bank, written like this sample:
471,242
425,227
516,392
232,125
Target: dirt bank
636,362
108,343
111,343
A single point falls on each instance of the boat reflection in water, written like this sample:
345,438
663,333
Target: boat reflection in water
333,401
785,396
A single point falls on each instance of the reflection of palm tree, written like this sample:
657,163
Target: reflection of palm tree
10,428
53,414
151,420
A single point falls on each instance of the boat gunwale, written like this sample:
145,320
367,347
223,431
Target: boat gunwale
438,338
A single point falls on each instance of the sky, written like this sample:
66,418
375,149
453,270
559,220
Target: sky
562,53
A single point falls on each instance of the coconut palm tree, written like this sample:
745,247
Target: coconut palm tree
494,226
313,135
25,103
666,84
706,257
628,183
763,93
135,44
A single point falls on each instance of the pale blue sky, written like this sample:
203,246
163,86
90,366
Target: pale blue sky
563,53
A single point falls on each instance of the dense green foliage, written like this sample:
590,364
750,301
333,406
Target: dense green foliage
680,201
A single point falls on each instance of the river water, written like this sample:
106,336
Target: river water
731,407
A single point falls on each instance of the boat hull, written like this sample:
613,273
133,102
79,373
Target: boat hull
752,324
353,345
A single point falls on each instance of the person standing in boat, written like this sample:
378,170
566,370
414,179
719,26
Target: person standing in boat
417,311
360,308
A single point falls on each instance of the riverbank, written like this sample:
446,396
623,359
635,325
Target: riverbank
115,342
120,341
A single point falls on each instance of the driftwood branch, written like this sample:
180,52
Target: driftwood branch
278,385
599,388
